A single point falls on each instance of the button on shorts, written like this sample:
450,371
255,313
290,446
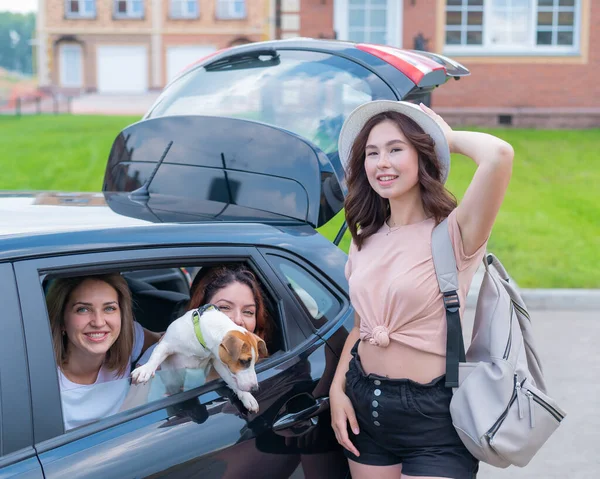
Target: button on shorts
405,422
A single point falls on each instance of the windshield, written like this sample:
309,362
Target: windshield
307,93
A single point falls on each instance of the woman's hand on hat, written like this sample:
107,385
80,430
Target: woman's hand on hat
448,132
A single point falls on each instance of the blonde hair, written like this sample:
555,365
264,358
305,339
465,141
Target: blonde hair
119,354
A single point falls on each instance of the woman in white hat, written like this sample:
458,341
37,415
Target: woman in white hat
389,403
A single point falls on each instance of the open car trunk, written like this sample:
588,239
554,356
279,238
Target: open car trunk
202,168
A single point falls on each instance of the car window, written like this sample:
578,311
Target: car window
308,93
154,305
320,302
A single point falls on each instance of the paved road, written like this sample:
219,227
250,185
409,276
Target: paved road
105,104
569,344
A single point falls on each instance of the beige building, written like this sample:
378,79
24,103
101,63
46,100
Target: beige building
133,46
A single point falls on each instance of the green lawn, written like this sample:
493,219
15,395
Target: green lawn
547,233
57,152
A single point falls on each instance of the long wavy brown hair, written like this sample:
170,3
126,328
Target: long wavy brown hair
210,280
57,300
366,211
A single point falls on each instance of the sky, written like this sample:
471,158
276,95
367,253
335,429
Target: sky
21,6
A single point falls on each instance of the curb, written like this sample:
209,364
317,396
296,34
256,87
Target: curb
562,299
546,299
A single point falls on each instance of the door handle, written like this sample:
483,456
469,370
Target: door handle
291,418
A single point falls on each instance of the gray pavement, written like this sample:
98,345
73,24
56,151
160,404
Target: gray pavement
568,344
546,299
105,104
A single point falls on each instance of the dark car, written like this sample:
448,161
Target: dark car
188,187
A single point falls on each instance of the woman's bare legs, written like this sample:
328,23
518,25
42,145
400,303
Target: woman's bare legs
421,477
364,471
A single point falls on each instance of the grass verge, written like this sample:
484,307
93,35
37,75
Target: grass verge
547,233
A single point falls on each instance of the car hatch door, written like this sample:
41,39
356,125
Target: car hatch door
204,168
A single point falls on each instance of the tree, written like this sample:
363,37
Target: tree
16,33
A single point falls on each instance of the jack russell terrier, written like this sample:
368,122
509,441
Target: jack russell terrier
206,335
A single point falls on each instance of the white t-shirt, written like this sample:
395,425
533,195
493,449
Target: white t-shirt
85,403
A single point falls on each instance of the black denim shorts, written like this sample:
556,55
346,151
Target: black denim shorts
405,422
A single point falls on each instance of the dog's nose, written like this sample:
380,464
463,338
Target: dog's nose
254,389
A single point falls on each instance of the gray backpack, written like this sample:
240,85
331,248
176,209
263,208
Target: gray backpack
499,408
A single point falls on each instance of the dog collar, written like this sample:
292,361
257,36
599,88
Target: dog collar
196,320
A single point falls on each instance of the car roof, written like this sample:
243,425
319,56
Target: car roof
25,213
51,224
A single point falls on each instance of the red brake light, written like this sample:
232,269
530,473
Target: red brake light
413,65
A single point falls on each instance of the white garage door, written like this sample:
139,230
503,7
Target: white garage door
122,69
180,57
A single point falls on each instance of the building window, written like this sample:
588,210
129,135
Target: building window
231,9
367,21
512,26
464,22
129,9
555,23
184,9
80,8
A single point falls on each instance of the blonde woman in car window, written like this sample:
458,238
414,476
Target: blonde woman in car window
95,341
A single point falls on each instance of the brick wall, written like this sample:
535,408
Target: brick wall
419,19
535,84
492,85
316,19
254,23
105,30
55,18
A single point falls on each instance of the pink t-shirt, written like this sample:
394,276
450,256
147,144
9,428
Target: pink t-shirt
394,289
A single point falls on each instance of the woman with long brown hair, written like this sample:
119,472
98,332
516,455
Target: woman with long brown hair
234,289
389,404
95,341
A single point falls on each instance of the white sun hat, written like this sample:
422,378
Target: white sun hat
357,119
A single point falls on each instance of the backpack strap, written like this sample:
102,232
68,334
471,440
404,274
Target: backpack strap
447,276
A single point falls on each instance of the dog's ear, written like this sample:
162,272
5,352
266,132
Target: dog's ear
262,347
232,345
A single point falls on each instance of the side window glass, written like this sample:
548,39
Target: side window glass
318,300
